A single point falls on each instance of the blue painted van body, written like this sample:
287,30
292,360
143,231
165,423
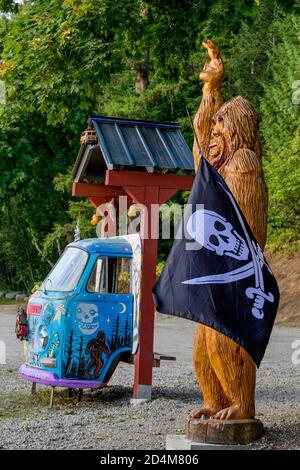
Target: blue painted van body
77,336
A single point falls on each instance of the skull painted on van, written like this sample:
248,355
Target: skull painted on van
88,316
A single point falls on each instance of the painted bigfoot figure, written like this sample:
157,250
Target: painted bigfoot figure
229,139
95,348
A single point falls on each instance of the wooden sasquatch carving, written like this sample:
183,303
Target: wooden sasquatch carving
229,138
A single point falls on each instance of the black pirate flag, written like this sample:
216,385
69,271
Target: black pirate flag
216,273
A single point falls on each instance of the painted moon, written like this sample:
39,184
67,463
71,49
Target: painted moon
123,307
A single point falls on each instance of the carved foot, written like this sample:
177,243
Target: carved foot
205,411
234,412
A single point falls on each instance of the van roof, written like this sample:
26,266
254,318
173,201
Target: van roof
109,245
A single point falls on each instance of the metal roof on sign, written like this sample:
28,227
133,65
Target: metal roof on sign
130,144
142,143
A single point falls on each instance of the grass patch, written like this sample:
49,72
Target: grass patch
23,405
281,245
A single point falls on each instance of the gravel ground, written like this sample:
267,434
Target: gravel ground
106,419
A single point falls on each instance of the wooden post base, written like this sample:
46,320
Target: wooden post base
215,431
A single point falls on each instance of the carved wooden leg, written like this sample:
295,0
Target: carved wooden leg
236,372
213,396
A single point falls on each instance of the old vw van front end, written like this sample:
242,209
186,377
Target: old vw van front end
81,320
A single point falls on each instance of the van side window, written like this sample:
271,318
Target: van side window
110,276
122,276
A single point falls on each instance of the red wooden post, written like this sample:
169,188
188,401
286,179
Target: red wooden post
144,357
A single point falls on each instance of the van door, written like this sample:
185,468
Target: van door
100,321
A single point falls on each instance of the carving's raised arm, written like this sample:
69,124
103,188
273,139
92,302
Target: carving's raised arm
212,76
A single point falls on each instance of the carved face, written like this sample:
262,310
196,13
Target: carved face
87,315
220,143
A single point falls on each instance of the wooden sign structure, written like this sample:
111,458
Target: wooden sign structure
122,157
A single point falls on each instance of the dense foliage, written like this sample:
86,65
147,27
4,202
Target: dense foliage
63,59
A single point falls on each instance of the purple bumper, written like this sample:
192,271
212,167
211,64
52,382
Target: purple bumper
49,378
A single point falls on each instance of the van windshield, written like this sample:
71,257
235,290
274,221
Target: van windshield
67,271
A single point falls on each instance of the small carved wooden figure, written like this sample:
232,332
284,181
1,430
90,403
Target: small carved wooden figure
229,139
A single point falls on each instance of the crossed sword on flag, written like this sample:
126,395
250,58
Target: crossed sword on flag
254,267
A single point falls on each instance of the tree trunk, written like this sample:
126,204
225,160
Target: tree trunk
142,74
